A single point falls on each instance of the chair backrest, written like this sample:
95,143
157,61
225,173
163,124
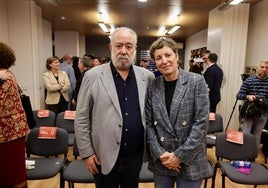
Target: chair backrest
215,125
66,124
47,147
45,121
232,151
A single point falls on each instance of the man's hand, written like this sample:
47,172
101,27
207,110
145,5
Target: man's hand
91,164
251,98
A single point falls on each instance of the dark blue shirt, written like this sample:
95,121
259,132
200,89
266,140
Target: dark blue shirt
133,131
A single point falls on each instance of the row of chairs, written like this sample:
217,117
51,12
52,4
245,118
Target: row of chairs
51,121
75,172
48,163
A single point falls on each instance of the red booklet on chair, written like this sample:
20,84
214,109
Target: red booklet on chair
43,113
47,132
212,116
235,136
68,114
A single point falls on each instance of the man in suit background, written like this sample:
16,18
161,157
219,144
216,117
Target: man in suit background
213,76
110,118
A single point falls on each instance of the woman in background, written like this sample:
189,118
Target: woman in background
57,85
96,61
13,125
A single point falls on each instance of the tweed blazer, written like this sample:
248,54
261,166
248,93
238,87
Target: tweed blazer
184,132
98,121
53,88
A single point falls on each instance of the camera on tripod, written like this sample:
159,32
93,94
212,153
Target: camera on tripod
244,76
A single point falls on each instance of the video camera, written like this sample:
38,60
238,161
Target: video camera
244,76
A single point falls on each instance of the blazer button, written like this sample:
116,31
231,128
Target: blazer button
155,123
184,122
162,139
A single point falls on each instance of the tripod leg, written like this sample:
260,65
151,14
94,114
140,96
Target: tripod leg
231,115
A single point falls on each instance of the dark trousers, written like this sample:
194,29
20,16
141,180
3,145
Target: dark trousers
124,174
60,107
213,106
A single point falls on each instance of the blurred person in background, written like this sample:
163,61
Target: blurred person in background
57,85
255,89
96,61
84,64
66,66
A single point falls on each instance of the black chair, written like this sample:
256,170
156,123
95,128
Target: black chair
264,142
214,127
146,176
45,121
68,125
227,151
46,153
76,171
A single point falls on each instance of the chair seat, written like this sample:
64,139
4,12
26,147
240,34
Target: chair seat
211,142
45,168
76,172
258,175
145,174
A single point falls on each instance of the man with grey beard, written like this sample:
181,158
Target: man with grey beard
110,118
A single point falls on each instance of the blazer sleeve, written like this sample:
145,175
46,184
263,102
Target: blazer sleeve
65,82
50,82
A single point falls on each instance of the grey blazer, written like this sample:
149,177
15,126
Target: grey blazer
184,132
98,121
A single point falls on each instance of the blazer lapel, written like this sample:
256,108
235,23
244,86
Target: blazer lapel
107,80
162,106
177,97
141,84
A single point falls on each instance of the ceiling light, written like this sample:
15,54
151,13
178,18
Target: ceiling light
142,0
103,27
173,29
162,30
235,2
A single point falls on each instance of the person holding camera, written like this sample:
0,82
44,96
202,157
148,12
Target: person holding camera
255,89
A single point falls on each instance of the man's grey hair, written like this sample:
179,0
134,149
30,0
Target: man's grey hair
132,32
86,61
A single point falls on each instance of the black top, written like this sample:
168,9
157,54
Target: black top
169,91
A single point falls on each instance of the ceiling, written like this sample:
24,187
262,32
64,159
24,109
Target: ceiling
144,18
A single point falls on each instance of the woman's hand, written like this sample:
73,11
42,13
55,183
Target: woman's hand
170,161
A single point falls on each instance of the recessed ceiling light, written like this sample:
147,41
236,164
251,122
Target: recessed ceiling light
235,2
142,0
63,18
